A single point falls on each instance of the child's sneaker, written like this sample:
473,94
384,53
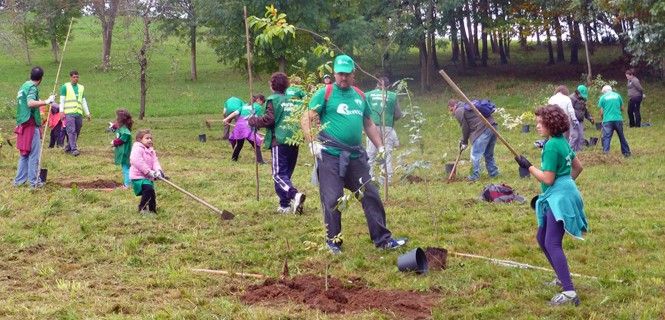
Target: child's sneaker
283,210
298,203
566,297
394,243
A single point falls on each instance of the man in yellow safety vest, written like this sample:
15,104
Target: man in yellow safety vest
73,104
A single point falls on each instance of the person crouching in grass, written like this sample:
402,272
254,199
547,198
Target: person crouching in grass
145,168
559,207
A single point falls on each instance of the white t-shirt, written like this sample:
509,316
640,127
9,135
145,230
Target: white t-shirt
564,102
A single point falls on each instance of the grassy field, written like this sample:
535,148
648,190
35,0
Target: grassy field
75,254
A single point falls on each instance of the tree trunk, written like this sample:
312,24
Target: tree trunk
26,45
143,63
522,37
473,13
107,38
559,41
506,45
574,40
550,50
462,48
493,41
281,64
55,49
538,42
422,49
468,47
454,42
502,50
192,49
590,41
484,9
434,61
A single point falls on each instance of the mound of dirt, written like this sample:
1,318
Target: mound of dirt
96,184
437,258
341,297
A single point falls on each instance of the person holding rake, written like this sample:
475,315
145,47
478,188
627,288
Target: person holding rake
559,208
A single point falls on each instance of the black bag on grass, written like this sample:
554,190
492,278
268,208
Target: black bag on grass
500,193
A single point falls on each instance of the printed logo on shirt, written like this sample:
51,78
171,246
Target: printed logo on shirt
288,106
343,108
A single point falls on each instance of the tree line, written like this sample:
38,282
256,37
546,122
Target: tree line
379,32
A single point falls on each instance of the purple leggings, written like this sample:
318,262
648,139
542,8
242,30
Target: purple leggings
549,238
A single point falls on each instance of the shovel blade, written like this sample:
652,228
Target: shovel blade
227,215
43,173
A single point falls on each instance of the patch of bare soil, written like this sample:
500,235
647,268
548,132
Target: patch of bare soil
414,179
590,159
95,184
341,297
437,258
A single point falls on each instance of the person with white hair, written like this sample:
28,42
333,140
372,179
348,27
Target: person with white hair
611,109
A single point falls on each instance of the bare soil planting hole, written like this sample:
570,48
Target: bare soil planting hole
96,184
347,296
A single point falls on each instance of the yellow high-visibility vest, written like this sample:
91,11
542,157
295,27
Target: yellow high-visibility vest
73,102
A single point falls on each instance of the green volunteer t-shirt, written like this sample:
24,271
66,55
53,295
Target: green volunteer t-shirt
282,108
557,157
295,92
123,151
28,91
233,104
75,87
611,104
375,100
248,110
342,116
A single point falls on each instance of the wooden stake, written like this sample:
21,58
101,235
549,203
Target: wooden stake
55,85
257,147
473,107
588,59
383,138
452,172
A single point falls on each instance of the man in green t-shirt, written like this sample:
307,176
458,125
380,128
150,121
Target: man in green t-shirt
611,107
341,160
389,114
28,127
72,106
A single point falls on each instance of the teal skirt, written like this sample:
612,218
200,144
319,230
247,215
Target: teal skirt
138,183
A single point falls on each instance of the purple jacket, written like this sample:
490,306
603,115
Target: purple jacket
142,161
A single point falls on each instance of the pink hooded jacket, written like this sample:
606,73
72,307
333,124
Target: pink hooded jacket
142,161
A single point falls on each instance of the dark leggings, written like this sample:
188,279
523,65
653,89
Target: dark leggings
148,198
237,147
549,237
634,116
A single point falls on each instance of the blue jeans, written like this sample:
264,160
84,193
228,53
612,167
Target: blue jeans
28,166
608,129
125,175
484,146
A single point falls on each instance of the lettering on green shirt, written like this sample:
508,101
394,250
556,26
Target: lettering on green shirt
557,157
294,92
611,104
28,91
375,100
342,116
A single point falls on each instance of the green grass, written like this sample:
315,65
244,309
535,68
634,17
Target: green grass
75,254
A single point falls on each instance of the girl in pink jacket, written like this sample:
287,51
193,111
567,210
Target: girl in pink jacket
144,170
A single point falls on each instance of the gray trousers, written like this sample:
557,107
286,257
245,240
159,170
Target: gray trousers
73,123
331,188
390,141
576,138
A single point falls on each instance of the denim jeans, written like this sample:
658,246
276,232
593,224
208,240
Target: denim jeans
483,146
608,129
28,166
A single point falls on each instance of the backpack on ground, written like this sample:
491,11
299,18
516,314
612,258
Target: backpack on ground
500,193
486,107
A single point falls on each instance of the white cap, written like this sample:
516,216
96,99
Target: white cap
606,89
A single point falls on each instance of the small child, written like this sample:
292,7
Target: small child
56,123
144,170
242,131
122,142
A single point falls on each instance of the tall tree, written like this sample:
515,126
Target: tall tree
181,18
106,11
51,22
560,57
484,18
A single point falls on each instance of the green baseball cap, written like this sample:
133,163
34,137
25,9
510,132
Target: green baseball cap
583,91
343,64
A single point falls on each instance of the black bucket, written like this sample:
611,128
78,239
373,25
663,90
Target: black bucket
526,128
43,173
414,260
599,125
524,172
593,141
202,137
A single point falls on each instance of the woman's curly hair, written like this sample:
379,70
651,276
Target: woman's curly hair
554,119
124,118
279,82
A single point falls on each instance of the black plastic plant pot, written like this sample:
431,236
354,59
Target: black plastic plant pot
524,172
202,137
599,125
526,128
414,260
43,173
593,141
